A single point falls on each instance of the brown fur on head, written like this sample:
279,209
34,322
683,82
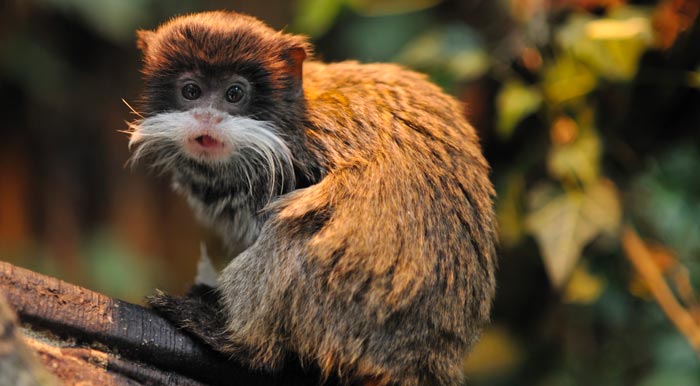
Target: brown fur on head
215,39
212,42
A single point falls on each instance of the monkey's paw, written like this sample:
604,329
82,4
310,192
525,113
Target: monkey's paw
198,313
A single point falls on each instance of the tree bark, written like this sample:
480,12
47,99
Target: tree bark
83,336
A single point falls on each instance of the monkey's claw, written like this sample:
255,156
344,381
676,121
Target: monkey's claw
198,314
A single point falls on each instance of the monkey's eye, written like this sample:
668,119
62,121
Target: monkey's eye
235,93
191,91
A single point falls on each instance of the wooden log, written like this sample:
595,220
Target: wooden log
84,337
17,366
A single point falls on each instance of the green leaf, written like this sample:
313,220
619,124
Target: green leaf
672,352
114,19
611,46
455,49
116,270
389,33
578,161
514,102
584,287
563,224
694,78
667,377
666,196
567,79
314,17
39,69
388,7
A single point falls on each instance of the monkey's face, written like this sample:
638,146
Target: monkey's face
211,133
209,121
222,96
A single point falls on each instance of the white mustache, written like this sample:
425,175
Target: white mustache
160,137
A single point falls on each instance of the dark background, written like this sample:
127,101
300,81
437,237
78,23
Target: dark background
588,110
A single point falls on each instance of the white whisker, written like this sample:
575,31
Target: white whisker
133,110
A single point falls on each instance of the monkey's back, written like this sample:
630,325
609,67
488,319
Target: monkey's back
394,273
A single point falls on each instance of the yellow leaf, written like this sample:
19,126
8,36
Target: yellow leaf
515,102
611,29
639,288
563,224
567,79
694,79
497,352
509,211
583,286
611,46
577,161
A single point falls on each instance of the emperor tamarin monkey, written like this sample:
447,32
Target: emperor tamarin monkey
358,192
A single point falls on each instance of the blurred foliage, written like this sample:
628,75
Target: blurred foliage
667,199
588,112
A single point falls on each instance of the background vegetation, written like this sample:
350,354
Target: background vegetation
589,112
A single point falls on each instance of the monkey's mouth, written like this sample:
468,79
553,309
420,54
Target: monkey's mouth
207,141
206,147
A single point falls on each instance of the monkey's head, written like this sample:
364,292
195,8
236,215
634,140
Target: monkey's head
223,101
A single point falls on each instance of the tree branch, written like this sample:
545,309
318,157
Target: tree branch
640,256
82,335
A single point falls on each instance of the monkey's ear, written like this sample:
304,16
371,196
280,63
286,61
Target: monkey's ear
296,56
144,39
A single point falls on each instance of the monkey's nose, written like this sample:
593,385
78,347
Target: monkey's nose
207,117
